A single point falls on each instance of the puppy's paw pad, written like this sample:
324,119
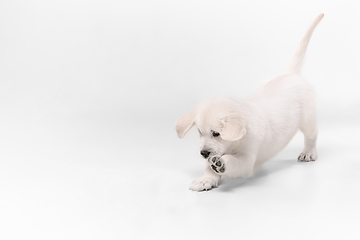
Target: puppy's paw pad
217,164
307,157
203,184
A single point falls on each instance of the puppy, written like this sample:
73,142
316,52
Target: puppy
237,137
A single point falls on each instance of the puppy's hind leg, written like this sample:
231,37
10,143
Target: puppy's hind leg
308,127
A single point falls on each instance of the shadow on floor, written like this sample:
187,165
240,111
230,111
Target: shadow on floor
267,169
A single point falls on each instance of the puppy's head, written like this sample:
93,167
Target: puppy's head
219,123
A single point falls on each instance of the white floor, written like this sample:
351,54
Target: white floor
90,92
73,181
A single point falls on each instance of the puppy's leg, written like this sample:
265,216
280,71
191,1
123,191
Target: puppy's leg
309,128
233,166
208,180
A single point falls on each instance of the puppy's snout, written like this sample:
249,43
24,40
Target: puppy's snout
205,153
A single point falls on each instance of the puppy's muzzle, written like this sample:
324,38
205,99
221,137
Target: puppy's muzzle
205,153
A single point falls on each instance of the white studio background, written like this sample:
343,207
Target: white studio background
90,92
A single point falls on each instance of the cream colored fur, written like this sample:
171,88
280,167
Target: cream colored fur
252,131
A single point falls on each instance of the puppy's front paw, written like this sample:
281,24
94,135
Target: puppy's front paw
203,184
307,157
217,164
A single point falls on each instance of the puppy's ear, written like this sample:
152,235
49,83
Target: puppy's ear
184,123
234,128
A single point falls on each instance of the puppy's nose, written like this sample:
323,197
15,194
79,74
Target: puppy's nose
205,153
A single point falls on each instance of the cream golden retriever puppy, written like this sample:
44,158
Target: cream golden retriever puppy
237,137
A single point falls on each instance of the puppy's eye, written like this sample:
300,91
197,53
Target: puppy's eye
215,134
199,132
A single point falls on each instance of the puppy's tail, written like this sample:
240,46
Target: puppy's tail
298,58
